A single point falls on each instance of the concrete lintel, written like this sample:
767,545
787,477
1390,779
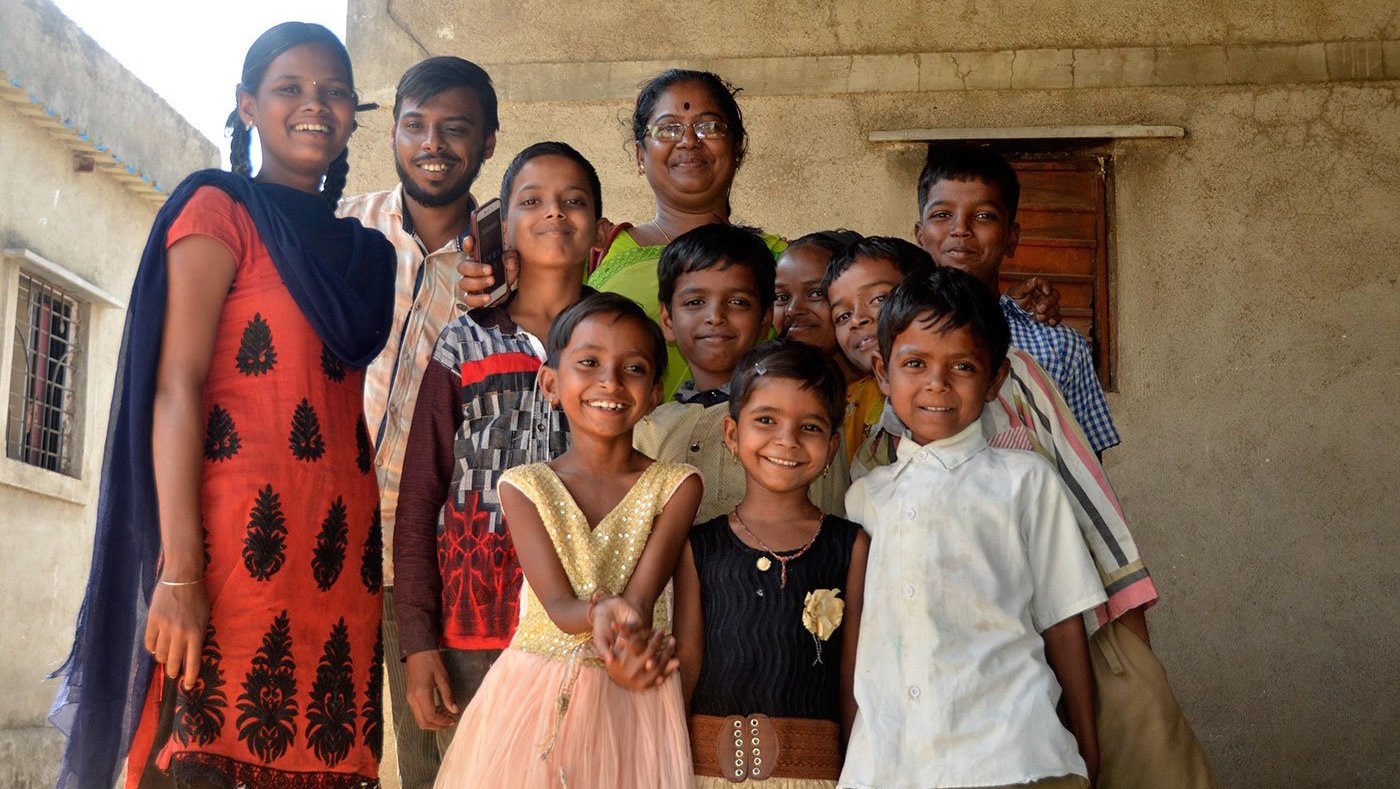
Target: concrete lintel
60,276
1115,132
1023,69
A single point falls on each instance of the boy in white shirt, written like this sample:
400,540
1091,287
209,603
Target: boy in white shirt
977,572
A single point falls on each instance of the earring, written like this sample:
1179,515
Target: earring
641,169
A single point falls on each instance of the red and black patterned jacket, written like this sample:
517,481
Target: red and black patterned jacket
457,579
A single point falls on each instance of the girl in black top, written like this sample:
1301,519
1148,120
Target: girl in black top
768,597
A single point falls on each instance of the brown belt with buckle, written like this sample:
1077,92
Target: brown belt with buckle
756,747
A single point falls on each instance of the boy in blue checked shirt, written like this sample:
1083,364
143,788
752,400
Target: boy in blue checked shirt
967,220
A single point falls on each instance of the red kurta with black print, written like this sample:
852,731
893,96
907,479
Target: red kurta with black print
289,687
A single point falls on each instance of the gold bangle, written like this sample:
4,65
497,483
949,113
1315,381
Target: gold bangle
164,582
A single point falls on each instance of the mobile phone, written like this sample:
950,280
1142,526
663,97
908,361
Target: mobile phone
490,245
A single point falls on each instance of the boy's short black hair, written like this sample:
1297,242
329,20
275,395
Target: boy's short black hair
829,241
709,246
963,162
796,361
551,148
561,332
952,299
906,256
428,78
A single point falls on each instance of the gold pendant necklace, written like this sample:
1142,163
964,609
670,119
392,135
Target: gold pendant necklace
763,563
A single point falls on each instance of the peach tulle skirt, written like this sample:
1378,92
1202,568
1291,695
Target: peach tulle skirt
609,737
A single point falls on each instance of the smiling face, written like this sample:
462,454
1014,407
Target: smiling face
304,110
938,379
605,377
967,225
688,172
800,304
715,316
783,437
550,216
439,145
855,298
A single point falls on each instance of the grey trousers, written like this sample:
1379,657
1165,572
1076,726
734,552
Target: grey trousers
421,752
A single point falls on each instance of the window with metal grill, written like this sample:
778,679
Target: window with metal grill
43,377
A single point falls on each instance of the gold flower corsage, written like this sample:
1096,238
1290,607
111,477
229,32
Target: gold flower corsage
821,615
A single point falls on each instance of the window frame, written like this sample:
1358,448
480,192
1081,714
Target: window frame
43,427
76,485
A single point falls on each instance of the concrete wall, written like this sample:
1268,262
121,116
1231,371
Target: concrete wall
1256,300
94,226
57,62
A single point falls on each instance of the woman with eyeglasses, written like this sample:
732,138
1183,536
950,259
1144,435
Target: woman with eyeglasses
690,140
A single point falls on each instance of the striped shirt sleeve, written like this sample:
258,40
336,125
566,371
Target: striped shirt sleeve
1033,402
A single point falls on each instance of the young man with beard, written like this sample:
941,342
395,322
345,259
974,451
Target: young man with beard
445,123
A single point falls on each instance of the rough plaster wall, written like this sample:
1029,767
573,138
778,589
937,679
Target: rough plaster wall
1259,348
1258,324
90,224
60,64
717,28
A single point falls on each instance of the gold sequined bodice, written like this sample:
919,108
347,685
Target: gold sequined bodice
604,556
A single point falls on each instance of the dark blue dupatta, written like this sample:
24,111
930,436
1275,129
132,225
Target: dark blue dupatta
341,276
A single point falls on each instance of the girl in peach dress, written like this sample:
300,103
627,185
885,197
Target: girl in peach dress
587,694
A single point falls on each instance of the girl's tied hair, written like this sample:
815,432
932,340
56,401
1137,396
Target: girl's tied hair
265,49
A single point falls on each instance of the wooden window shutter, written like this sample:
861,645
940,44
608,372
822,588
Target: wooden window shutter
1063,215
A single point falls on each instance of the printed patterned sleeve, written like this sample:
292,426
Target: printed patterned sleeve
1082,389
1039,408
423,490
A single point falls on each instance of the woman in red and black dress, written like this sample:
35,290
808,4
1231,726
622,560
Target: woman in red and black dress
239,411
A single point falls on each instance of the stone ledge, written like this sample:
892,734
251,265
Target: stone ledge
1026,69
1110,132
80,142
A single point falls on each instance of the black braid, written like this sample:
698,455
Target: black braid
239,141
334,184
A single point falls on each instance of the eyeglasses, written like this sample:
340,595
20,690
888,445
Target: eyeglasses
704,130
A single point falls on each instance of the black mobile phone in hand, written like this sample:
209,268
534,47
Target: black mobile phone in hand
487,230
